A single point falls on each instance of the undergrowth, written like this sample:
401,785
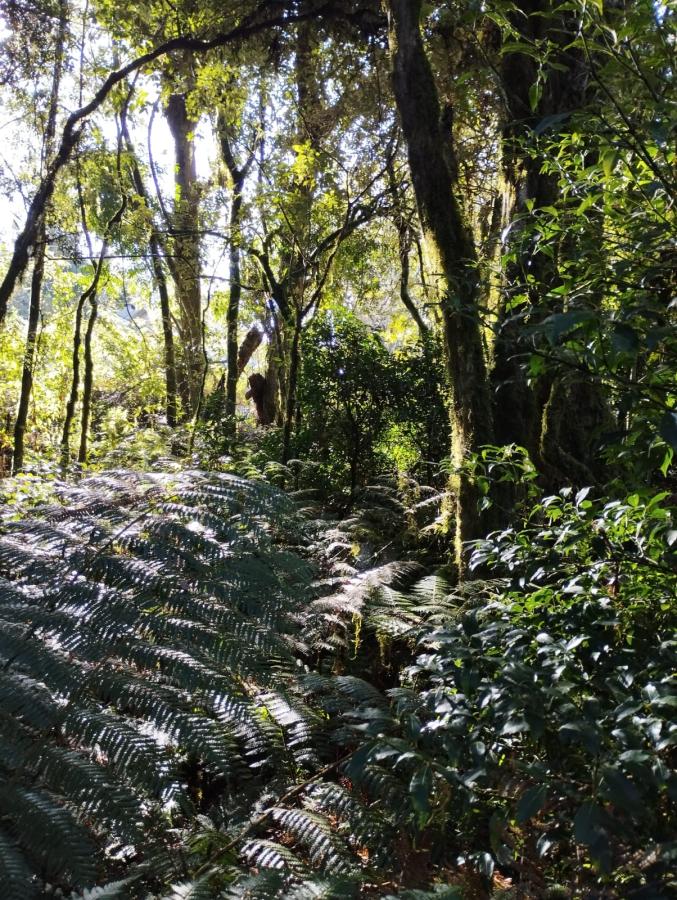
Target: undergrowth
204,693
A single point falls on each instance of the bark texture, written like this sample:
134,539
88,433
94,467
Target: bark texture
546,419
238,175
186,248
452,257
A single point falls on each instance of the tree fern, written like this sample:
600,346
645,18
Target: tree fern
148,642
16,876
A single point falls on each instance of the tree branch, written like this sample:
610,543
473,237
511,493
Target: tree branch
74,124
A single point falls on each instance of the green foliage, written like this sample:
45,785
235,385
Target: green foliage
595,302
366,411
148,635
189,708
537,721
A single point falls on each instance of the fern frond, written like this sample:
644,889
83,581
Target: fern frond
124,747
148,623
55,843
197,889
271,855
114,890
266,885
360,827
298,723
16,877
360,692
313,833
324,888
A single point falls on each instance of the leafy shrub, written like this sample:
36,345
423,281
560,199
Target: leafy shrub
535,730
364,410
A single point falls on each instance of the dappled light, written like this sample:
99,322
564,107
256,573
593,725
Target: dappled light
338,413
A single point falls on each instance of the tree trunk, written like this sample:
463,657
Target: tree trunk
523,414
167,334
233,312
29,354
452,257
88,379
517,407
40,252
75,377
233,370
161,282
294,360
186,247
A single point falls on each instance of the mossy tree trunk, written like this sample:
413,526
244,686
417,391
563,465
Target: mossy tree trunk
534,416
238,175
518,408
452,258
186,268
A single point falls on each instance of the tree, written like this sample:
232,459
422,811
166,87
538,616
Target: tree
452,254
41,245
184,228
238,174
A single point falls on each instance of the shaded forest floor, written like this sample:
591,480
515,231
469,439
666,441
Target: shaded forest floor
203,686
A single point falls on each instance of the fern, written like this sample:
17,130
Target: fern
156,694
148,650
15,873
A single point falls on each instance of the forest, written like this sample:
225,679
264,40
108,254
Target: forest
338,413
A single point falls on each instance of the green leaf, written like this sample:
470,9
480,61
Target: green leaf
588,823
535,92
551,122
420,788
556,326
609,159
667,461
624,339
520,47
668,428
515,725
589,830
530,802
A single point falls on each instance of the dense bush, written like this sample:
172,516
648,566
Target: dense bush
169,682
366,410
535,731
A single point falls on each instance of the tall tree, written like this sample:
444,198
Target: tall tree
452,258
40,246
185,235
238,174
